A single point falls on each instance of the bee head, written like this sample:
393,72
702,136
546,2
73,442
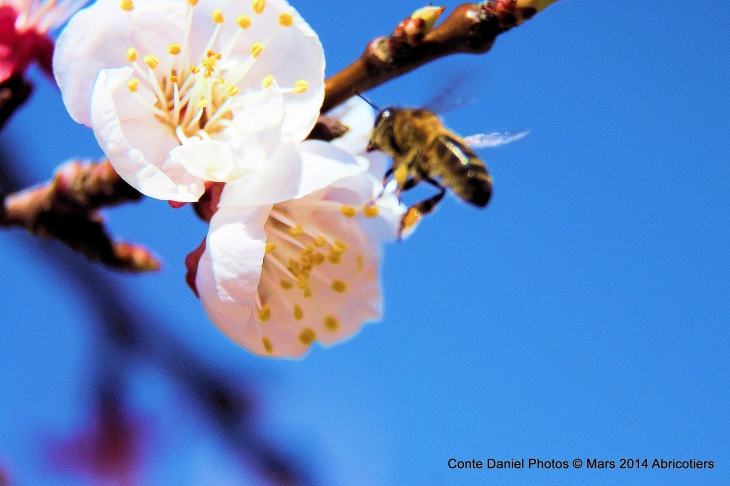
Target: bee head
381,130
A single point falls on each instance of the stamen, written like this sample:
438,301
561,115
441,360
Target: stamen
265,313
132,54
217,16
244,21
133,85
331,323
348,211
257,49
298,312
267,81
192,3
370,211
258,6
301,86
265,341
270,246
232,90
286,20
174,49
126,5
339,286
296,230
307,336
151,61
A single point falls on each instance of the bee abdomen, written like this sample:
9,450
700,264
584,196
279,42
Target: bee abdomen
463,171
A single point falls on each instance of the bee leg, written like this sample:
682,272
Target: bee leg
416,212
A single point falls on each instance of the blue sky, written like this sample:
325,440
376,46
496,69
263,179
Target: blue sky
583,314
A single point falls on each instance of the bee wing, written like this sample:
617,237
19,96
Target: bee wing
494,139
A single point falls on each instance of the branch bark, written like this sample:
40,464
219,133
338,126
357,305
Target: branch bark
470,28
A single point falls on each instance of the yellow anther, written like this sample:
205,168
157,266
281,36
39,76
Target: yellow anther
194,69
286,20
308,250
257,49
220,81
307,336
319,241
339,286
267,81
331,323
217,16
301,86
360,264
296,230
307,292
206,74
270,246
340,245
265,313
132,54
133,85
244,21
192,3
334,258
370,211
174,49
286,285
267,345
151,61
258,6
302,280
174,79
318,258
202,103
232,90
401,173
298,312
348,211
126,5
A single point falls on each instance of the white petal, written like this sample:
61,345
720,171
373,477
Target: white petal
211,160
230,269
294,171
96,38
133,139
359,117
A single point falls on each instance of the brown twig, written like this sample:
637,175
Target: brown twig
13,93
470,28
67,209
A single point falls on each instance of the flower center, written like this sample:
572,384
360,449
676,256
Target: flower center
302,261
197,96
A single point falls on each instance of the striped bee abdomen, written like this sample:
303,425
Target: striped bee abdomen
462,170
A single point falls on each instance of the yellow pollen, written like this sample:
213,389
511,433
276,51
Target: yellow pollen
298,312
258,6
220,81
286,285
308,250
257,49
265,313
202,103
126,5
217,16
401,173
266,82
307,292
331,323
151,61
339,286
267,345
296,230
301,86
174,49
192,3
194,69
270,246
244,21
232,90
286,20
319,241
341,246
302,280
307,336
318,258
174,79
370,211
132,54
348,211
334,258
133,85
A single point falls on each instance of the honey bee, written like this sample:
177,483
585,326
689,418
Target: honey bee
424,150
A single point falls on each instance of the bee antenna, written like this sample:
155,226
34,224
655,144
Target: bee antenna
368,102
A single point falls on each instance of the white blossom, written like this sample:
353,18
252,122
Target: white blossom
183,92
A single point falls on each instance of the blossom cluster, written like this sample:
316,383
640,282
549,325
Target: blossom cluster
211,103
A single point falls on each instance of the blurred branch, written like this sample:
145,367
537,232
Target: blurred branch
470,28
67,209
136,334
13,93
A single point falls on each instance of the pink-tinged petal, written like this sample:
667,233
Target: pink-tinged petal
293,171
133,140
230,269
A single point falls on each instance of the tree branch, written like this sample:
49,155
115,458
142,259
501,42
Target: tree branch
470,28
67,209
